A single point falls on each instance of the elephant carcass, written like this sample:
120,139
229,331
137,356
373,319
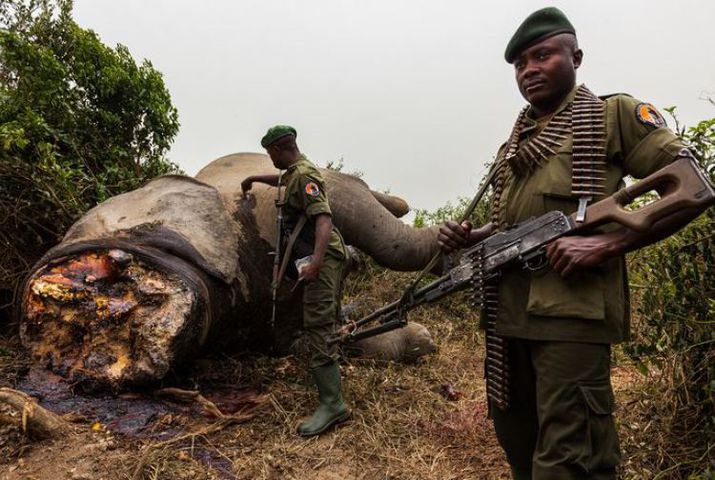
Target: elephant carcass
144,280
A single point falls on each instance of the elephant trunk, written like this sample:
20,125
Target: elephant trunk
366,223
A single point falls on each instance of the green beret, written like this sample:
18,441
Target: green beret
276,133
538,26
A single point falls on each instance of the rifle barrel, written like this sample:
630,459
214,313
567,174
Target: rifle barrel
390,310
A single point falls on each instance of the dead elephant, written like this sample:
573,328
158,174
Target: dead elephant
146,279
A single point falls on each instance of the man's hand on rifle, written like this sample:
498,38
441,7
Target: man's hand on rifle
570,254
453,236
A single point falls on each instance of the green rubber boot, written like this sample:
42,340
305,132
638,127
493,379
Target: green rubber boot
331,410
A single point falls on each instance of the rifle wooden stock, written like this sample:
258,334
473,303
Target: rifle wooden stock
682,184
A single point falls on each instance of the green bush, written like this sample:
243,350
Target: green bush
673,335
480,216
79,122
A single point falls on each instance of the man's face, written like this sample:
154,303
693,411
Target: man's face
278,156
546,72
283,152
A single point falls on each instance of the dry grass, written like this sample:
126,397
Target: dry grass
656,442
403,427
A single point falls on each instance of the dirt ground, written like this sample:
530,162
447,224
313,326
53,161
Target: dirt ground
409,421
405,425
422,421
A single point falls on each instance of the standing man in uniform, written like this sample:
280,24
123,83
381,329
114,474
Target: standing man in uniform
549,344
321,244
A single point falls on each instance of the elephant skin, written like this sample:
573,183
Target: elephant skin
405,345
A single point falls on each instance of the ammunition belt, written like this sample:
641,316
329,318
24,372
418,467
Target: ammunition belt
588,171
485,295
584,120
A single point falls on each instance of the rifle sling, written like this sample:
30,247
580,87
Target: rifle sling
289,248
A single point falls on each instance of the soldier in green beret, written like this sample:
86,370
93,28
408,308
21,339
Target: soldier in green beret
306,211
549,335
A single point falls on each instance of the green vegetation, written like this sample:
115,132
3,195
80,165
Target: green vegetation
673,337
79,122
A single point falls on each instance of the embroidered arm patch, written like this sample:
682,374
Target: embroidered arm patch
312,189
647,114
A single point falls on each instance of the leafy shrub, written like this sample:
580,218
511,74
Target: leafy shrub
480,215
674,314
79,122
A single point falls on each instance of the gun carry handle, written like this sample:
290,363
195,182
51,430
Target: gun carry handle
684,185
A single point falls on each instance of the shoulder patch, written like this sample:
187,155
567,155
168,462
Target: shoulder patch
311,189
647,114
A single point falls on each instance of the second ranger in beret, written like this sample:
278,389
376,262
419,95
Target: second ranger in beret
276,133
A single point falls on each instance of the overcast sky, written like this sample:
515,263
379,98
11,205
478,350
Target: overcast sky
415,94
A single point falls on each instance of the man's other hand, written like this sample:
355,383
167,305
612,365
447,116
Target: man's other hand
246,185
453,236
309,272
569,254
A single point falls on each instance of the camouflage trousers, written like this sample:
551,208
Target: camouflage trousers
560,421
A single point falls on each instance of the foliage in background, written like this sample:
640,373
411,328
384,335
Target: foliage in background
480,216
79,122
339,165
673,334
425,218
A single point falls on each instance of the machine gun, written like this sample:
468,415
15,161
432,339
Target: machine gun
683,186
